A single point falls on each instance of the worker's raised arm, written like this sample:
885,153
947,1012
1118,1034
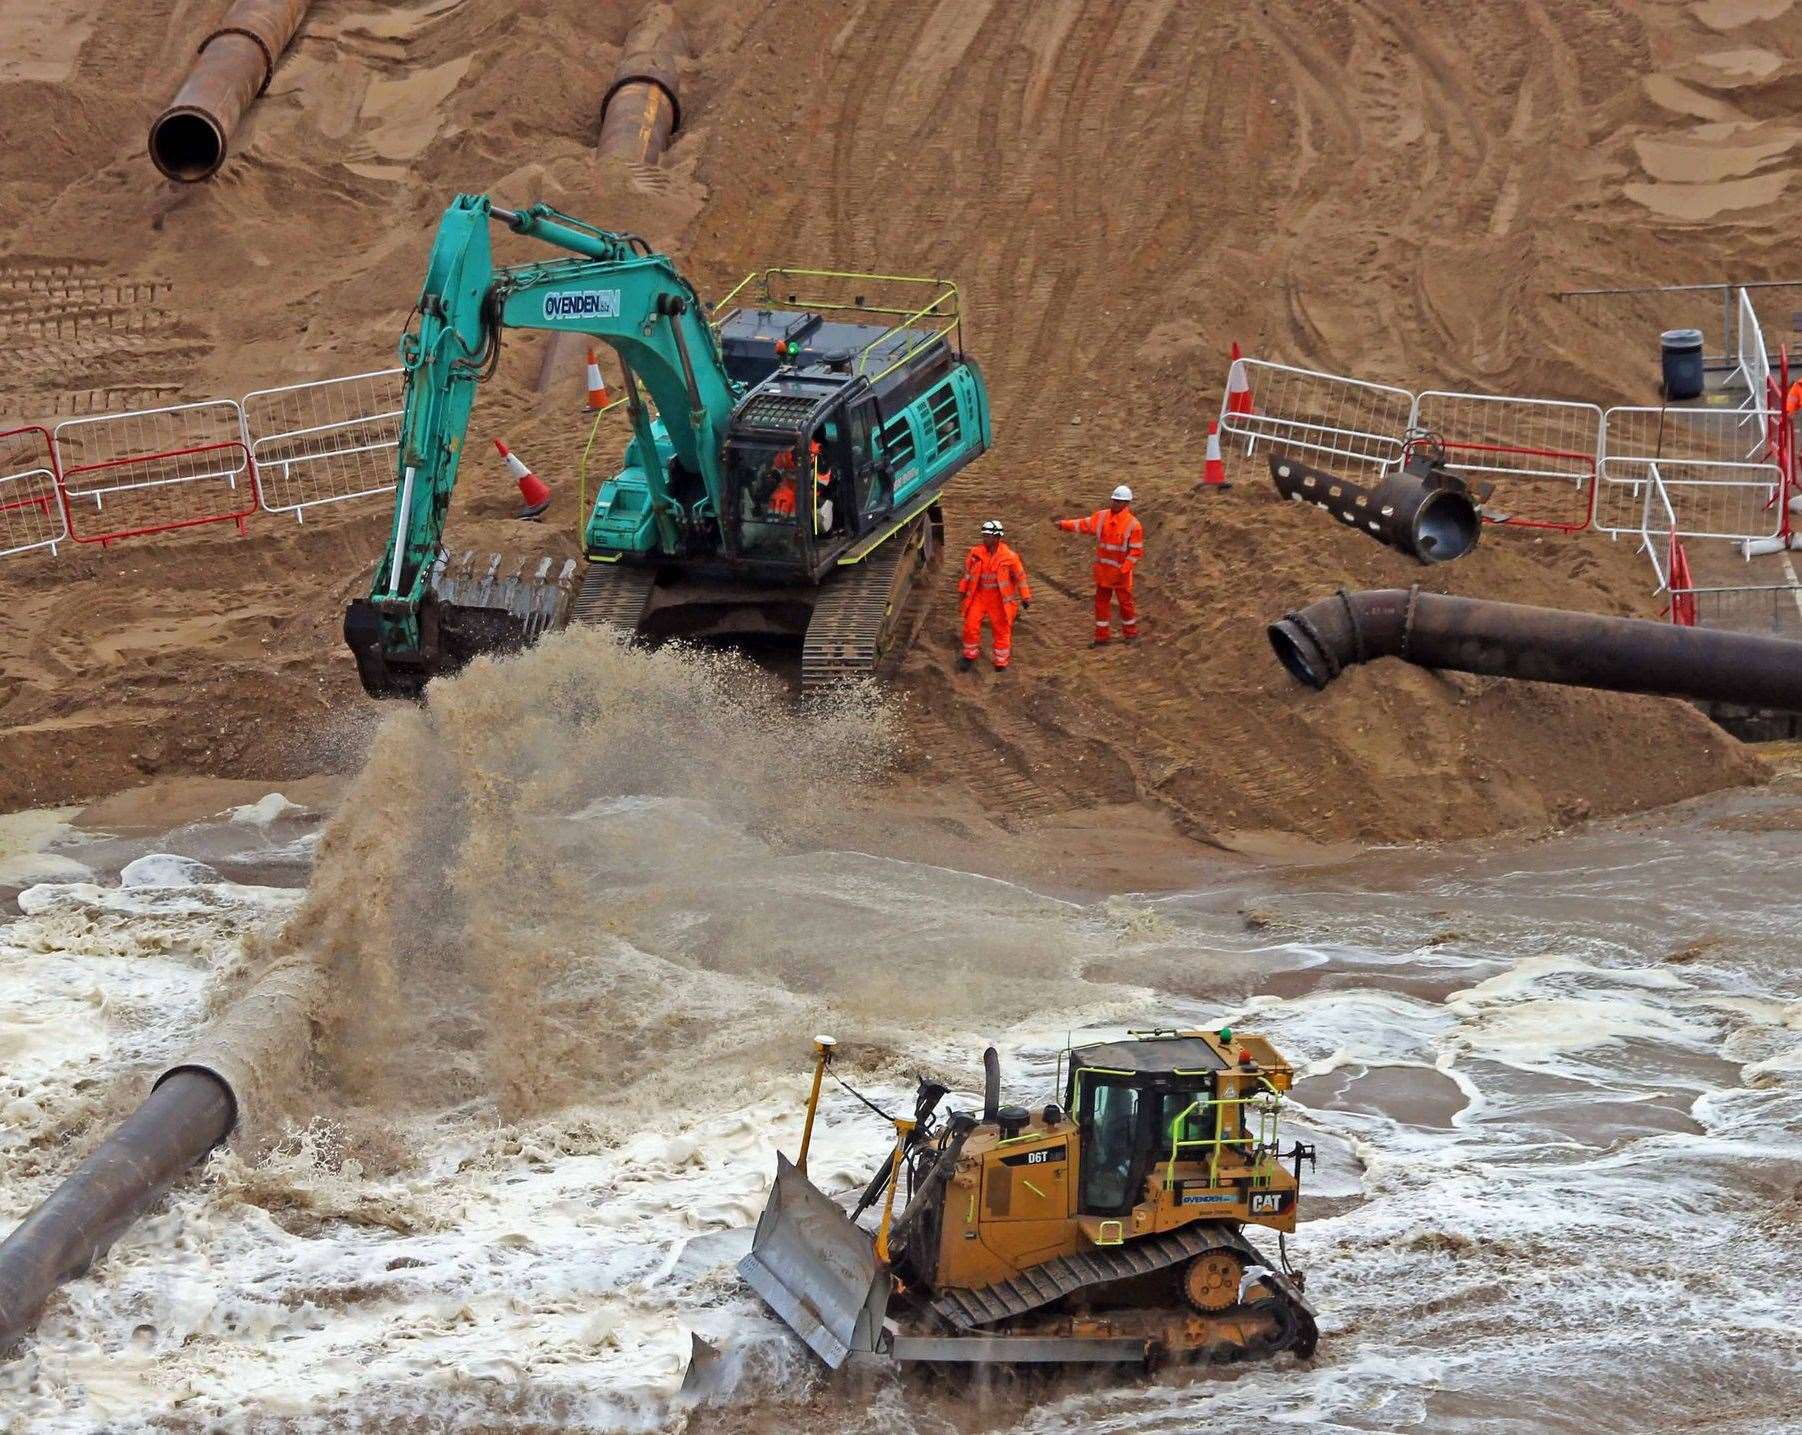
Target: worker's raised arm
1079,525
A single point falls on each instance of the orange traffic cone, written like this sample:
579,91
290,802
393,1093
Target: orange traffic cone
1213,474
534,492
597,386
1238,387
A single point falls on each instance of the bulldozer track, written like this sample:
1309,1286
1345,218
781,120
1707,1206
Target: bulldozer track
1041,1285
613,596
858,612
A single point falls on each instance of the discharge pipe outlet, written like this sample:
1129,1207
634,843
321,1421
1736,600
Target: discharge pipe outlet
640,111
1544,645
643,106
257,1046
188,140
1424,509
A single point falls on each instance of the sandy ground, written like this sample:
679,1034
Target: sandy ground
1120,189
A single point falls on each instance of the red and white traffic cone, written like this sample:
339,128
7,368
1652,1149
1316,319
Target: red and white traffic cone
1213,473
597,386
534,492
1238,387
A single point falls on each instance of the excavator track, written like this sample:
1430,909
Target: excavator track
860,611
613,596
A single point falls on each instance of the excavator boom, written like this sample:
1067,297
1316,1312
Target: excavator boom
728,421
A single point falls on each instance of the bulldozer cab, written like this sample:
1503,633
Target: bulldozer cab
1157,1101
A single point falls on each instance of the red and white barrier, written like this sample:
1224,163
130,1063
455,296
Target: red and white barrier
154,470
1540,454
1699,459
1345,419
31,503
325,442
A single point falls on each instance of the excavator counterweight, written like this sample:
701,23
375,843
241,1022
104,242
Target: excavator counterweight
787,457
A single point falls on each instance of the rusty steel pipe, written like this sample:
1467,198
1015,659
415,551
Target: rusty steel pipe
1544,645
643,106
249,1053
640,111
189,139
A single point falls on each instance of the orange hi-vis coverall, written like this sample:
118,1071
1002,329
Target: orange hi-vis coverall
993,585
1119,544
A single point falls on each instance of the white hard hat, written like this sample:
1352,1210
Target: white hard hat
1123,494
993,526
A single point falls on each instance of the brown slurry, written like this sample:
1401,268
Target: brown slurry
1121,189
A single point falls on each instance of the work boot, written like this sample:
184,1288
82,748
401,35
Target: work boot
1129,638
1099,643
965,664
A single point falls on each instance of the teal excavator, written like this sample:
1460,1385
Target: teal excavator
783,477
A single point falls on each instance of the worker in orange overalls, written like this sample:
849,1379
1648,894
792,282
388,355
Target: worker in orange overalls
1119,544
994,583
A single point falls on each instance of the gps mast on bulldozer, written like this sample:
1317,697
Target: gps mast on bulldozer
1111,1228
783,477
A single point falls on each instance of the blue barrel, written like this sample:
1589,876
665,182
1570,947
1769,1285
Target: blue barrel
1680,355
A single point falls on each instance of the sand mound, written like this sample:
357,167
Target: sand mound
1120,190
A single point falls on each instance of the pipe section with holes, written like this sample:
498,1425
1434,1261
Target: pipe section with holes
253,1051
1423,509
640,111
1545,645
189,139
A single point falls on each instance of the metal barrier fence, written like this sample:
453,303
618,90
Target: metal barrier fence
1539,453
324,442
1343,418
1774,608
31,505
155,470
1699,457
1754,369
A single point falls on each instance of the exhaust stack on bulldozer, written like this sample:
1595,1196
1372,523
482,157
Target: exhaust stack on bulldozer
1108,1229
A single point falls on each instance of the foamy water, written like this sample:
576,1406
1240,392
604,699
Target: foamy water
1556,1089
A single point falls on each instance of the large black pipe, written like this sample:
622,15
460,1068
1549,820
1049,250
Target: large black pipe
1545,645
1423,509
244,1057
187,1115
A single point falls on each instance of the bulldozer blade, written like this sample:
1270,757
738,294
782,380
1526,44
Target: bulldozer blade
816,1270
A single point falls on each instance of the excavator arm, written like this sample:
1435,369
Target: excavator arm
613,289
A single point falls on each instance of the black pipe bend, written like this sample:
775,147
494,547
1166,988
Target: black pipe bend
1547,645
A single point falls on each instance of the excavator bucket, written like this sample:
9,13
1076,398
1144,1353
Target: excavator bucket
473,606
816,1270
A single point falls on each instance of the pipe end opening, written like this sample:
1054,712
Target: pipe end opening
1292,649
1447,527
187,145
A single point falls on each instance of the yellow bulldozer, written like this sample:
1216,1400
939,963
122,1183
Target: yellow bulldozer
1108,1229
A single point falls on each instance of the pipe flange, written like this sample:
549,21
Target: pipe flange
1329,660
255,39
1408,620
1351,620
